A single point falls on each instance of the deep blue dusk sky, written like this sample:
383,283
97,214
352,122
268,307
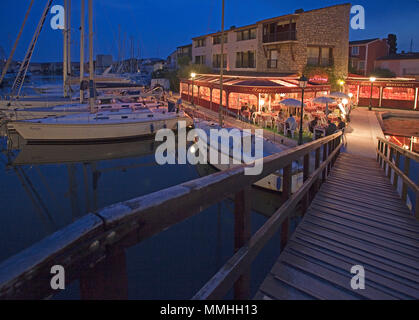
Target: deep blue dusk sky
161,26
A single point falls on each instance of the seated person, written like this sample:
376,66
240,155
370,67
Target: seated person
313,124
331,128
281,115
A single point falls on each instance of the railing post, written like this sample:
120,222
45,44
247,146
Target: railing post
336,142
390,158
406,170
329,151
286,193
396,177
378,149
381,154
242,234
306,173
326,168
108,279
316,166
386,166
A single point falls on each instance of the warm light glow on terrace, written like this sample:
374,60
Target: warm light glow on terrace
193,75
372,79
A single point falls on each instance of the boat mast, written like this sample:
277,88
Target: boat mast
65,49
91,84
69,46
82,19
20,77
220,115
9,60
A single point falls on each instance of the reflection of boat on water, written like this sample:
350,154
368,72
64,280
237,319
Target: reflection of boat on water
271,182
84,164
49,154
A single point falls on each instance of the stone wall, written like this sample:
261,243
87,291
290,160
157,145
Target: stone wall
327,27
321,27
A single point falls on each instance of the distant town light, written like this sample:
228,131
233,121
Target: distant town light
341,82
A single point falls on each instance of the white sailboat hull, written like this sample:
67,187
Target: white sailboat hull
271,182
50,132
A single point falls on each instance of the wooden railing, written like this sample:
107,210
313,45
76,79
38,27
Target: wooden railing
389,156
82,245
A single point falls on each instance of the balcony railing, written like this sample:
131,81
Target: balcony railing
280,36
272,64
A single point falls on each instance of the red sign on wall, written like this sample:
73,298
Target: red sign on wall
319,79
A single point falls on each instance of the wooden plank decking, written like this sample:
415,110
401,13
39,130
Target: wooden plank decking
357,218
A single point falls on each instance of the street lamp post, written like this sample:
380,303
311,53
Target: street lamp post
302,82
193,75
372,79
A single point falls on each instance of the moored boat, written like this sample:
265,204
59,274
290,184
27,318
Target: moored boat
272,182
118,124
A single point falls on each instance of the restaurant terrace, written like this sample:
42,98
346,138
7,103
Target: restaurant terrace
398,93
262,93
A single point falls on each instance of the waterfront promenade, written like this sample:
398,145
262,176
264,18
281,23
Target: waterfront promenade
362,132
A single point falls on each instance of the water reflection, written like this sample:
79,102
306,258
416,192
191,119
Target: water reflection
60,183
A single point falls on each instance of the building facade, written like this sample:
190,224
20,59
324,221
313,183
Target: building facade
402,65
363,53
281,45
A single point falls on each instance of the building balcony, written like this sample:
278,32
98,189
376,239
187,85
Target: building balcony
280,36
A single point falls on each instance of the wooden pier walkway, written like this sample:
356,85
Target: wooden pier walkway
356,218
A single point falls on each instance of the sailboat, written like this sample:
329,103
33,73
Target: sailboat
97,125
117,124
101,104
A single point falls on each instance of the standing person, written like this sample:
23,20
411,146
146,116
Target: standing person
341,124
290,124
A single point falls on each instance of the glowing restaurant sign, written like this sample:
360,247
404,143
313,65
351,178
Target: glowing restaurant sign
319,79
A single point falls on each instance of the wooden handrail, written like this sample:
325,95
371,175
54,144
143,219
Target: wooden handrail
385,152
222,281
88,239
412,155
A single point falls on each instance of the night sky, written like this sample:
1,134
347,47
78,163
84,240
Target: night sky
161,26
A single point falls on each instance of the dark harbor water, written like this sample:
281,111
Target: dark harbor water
44,188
